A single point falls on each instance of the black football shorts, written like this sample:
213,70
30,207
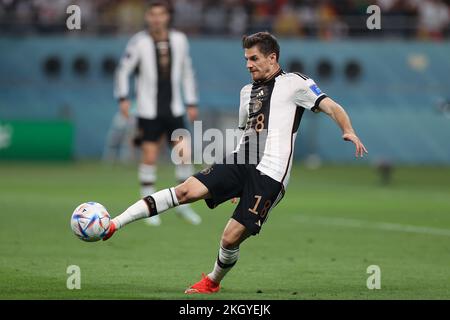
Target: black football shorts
258,192
151,130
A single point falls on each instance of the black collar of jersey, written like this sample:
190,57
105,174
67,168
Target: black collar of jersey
276,74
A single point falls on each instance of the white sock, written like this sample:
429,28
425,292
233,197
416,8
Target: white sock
226,259
149,206
137,211
147,178
165,199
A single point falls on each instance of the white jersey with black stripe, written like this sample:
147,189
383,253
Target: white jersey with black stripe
141,52
270,114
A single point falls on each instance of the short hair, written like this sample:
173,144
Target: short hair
265,41
159,3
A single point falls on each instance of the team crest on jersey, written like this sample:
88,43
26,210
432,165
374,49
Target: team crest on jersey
257,104
316,89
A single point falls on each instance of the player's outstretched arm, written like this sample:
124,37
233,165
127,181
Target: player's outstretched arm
338,114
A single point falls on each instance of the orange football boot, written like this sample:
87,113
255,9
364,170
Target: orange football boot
206,285
111,230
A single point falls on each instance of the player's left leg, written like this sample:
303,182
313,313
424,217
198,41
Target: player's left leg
233,235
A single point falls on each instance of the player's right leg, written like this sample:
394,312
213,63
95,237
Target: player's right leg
189,191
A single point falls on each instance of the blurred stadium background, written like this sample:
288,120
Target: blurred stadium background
56,103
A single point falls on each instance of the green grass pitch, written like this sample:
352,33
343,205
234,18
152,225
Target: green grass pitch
333,223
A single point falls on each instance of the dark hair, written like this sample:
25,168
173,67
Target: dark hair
160,3
265,41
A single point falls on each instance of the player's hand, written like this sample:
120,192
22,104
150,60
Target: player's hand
124,106
234,200
360,148
192,112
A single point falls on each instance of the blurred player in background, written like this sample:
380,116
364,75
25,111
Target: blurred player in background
164,65
258,170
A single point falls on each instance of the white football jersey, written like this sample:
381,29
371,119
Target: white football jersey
141,52
270,113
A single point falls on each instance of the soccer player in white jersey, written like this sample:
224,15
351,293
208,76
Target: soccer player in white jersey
161,56
258,170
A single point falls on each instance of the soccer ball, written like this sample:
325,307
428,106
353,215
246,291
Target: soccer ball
90,221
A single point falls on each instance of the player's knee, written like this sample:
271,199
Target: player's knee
181,191
229,240
149,155
149,159
184,192
233,235
190,190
